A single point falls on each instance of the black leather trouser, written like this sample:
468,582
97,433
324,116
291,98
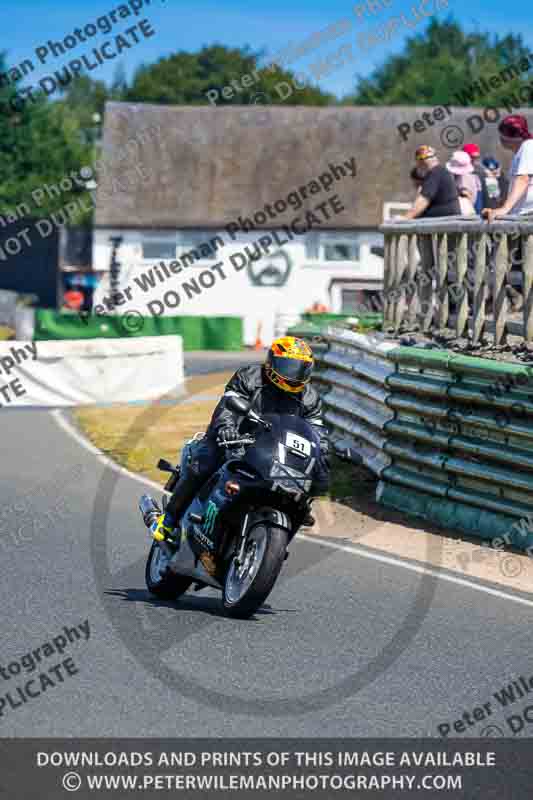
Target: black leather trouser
199,460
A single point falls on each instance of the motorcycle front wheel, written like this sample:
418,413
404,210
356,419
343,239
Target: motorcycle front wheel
167,586
248,584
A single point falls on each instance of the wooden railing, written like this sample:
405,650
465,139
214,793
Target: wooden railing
455,273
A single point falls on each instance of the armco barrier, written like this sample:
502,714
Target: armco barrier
198,333
58,374
449,436
353,371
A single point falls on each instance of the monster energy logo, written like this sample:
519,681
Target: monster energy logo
209,518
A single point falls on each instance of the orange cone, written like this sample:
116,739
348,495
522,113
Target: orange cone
258,344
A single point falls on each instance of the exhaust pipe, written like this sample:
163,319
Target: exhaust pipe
149,509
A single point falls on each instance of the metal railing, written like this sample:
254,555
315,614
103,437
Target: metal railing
459,273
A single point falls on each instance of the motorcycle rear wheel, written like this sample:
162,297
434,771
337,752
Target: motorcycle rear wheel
246,587
167,586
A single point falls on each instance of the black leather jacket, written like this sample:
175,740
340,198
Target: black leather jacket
251,382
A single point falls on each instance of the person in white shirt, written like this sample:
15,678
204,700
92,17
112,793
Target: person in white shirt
515,136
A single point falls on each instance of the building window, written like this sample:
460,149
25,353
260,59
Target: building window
199,247
341,251
156,249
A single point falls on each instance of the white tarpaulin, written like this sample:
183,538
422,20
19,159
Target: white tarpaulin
73,373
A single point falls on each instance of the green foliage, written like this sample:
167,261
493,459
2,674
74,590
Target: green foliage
85,98
436,66
40,144
185,78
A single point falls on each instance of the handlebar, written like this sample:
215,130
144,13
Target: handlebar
232,442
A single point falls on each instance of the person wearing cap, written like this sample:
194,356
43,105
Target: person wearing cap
515,136
461,168
474,153
494,185
438,196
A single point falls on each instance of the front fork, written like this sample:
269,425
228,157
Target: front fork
242,543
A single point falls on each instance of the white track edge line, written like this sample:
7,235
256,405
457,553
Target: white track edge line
69,429
415,568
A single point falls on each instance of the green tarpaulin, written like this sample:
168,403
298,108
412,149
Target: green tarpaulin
199,333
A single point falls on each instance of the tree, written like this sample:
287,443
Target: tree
39,145
440,67
186,78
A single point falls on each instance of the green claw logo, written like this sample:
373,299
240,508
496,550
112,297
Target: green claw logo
210,517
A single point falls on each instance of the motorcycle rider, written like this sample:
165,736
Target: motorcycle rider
280,385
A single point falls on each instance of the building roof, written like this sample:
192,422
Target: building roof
203,166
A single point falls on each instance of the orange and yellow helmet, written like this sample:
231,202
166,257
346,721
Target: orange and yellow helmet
289,363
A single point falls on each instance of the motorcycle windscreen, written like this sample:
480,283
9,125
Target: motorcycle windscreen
291,442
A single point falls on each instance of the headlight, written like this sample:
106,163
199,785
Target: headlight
290,479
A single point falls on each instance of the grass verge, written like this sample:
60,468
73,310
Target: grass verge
137,437
6,333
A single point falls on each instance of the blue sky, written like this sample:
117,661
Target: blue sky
270,25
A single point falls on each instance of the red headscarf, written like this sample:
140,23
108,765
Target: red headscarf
514,127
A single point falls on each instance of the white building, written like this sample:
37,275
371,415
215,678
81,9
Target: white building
174,181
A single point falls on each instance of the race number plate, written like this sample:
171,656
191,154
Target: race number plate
298,443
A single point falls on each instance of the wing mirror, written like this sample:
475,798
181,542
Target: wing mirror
165,465
243,407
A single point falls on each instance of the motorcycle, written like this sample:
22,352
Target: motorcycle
251,508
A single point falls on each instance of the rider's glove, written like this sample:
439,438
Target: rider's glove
324,447
227,434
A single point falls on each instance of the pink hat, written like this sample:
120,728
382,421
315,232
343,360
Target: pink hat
460,163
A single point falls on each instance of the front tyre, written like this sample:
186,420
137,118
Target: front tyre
248,585
167,586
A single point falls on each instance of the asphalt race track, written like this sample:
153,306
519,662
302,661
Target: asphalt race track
348,645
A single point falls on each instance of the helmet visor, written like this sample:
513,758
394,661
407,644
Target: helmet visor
292,370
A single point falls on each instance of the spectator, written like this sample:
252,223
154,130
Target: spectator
461,168
417,179
475,157
438,196
515,136
494,185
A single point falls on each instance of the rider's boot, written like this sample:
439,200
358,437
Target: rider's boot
162,528
183,494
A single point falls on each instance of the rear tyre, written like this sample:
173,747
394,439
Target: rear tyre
167,586
247,586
